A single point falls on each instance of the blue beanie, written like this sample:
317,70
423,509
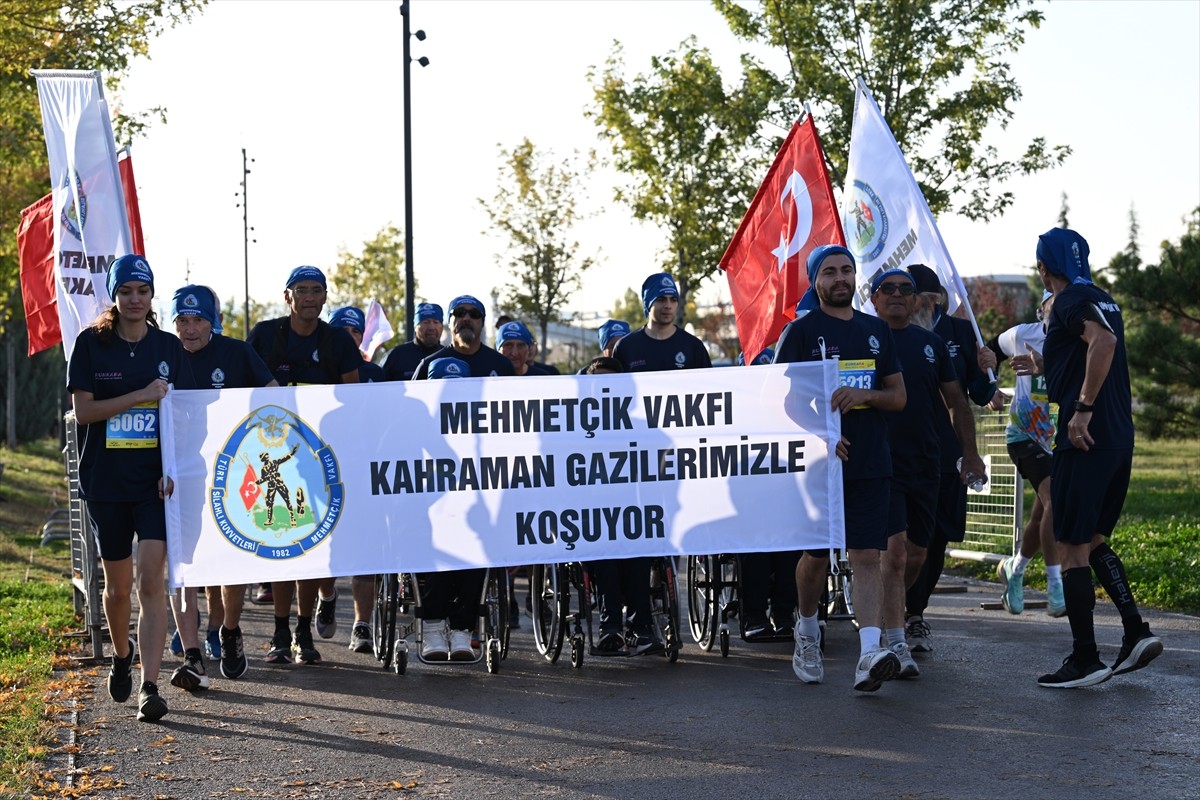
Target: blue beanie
513,332
448,368
767,356
1065,253
128,268
467,300
429,311
875,284
660,284
195,301
819,254
348,317
306,274
611,329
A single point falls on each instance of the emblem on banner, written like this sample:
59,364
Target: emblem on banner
287,484
870,222
74,212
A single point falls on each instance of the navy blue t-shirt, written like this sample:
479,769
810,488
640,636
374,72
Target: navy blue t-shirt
538,369
959,337
120,458
640,352
1065,357
226,363
369,372
866,356
300,363
483,362
913,431
401,364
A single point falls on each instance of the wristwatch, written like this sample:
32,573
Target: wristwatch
1084,407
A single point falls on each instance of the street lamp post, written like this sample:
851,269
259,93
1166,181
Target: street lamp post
245,204
409,289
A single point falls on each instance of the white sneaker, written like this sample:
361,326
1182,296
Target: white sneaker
874,668
434,646
460,646
807,661
908,664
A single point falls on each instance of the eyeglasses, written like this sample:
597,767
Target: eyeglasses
461,312
905,289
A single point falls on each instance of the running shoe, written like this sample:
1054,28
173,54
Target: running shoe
645,644
807,662
434,644
302,646
190,675
1056,604
234,663
281,648
326,616
920,638
263,595
611,642
1073,675
177,645
120,678
151,707
908,665
1138,651
757,626
1013,598
361,640
874,668
212,645
460,646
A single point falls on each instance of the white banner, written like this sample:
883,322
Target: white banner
884,214
90,228
305,482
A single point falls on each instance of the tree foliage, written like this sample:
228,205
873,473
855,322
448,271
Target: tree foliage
1161,306
533,212
689,150
233,314
628,307
937,68
377,273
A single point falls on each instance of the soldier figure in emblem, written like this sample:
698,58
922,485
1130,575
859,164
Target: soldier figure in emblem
275,485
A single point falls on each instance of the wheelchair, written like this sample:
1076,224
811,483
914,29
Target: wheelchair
563,596
396,617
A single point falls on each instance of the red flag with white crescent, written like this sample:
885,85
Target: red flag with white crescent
249,490
792,213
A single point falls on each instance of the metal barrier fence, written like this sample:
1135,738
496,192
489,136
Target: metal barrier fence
994,516
87,577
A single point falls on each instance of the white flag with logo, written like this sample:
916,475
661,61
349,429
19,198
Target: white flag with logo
91,228
885,217
377,329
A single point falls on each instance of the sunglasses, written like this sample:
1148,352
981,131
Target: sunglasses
905,289
459,313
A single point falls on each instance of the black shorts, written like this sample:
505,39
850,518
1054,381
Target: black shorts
1087,492
1032,460
951,524
115,524
866,512
913,507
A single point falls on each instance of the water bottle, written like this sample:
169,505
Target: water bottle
973,480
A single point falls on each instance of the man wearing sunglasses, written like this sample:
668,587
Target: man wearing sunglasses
466,343
931,386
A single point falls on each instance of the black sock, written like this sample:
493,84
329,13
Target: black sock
1081,600
281,625
303,622
1111,574
193,653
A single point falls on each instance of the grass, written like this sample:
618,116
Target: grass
1158,536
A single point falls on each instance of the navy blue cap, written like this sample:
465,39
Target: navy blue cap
887,274
306,274
195,301
925,279
467,300
128,268
429,311
660,284
348,317
513,332
611,330
449,368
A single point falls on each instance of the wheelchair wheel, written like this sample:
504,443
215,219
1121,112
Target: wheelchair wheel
493,656
702,599
400,662
664,602
577,650
383,618
494,627
724,643
548,586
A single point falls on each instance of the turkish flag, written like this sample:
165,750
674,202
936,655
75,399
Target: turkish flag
792,213
249,490
35,250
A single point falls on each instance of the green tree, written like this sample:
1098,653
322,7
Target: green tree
629,308
689,149
377,273
533,212
937,68
1063,210
233,314
1161,307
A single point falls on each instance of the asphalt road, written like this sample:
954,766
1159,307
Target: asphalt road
974,724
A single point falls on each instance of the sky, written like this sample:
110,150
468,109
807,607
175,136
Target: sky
313,91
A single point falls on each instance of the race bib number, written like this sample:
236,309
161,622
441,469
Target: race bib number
858,374
136,427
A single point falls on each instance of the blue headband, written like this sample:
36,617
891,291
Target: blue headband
1065,253
610,330
448,368
348,317
767,356
429,311
467,300
879,279
128,268
819,254
306,274
513,332
195,301
657,285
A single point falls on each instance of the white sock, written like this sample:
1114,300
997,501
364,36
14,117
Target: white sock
895,636
868,640
1020,563
810,627
1053,574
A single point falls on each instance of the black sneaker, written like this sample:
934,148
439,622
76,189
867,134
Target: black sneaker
611,642
645,644
234,663
120,679
151,707
757,626
190,675
361,640
1138,651
281,648
514,615
1073,675
326,616
302,646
